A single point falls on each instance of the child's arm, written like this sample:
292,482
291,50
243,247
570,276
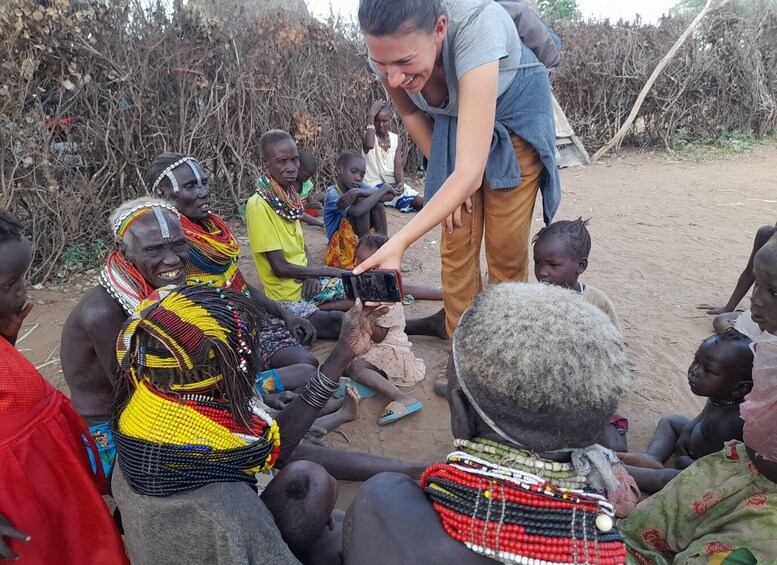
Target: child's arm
746,279
683,445
373,196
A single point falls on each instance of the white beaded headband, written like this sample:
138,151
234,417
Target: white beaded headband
122,224
168,172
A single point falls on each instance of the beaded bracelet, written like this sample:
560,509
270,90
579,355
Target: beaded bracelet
319,389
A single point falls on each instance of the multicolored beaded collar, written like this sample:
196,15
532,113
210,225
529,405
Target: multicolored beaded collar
285,201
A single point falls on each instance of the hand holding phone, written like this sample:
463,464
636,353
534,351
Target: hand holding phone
374,286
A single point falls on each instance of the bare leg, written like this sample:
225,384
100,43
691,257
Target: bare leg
348,412
651,480
367,374
295,376
661,446
433,326
360,224
327,324
354,465
336,306
378,219
292,355
421,292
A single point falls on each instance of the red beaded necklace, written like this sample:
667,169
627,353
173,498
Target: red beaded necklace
517,517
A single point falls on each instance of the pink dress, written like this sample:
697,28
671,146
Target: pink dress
393,355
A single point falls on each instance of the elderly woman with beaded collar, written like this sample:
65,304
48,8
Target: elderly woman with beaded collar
528,483
191,432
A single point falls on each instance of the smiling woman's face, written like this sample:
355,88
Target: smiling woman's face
407,58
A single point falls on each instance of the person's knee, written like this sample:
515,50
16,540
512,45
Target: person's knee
294,355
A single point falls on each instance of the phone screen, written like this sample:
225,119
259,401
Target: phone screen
373,286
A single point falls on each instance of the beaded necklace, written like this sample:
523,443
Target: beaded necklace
558,474
518,517
124,282
213,253
174,442
385,145
286,202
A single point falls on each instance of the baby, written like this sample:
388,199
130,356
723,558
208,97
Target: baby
389,361
721,371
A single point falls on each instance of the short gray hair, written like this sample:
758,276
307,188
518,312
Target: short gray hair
543,364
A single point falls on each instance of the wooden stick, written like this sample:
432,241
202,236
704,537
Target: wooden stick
28,332
618,137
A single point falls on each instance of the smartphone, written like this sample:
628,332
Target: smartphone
374,286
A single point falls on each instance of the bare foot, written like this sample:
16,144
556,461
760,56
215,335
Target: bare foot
640,460
332,406
350,407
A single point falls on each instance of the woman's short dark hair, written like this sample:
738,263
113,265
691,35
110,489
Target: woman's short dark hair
385,17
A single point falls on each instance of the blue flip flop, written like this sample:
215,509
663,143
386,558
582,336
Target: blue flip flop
363,390
396,411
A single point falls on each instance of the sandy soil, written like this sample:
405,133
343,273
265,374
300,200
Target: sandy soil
667,232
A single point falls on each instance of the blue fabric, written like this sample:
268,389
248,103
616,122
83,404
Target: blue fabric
268,382
103,438
525,109
332,214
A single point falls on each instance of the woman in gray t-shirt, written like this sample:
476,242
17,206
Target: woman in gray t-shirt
490,144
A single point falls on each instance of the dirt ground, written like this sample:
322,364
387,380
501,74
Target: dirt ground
668,232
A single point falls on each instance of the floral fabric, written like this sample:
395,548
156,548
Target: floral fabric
716,506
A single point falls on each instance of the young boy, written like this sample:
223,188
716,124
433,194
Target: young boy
51,510
561,252
382,150
721,371
352,209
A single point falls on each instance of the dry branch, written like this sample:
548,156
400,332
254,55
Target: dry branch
618,137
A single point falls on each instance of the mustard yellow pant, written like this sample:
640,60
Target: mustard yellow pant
504,216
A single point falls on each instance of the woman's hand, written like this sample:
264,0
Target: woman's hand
387,257
376,107
300,328
357,328
8,531
454,220
311,286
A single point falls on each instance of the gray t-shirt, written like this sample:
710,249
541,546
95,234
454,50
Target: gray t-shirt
221,523
479,31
